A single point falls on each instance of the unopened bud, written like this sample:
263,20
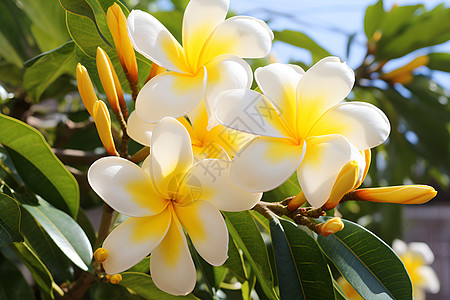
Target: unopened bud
105,71
345,182
297,201
404,194
155,70
117,23
403,74
331,226
103,124
115,279
100,255
86,88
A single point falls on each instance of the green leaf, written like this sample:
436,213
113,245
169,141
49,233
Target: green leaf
108,291
301,40
439,61
40,273
289,188
12,284
245,233
235,261
368,264
48,68
65,232
373,18
142,267
10,216
142,284
301,267
38,167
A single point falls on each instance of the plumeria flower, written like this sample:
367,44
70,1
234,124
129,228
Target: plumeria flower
218,142
417,258
165,197
209,62
302,126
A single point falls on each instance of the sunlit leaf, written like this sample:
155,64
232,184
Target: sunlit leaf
10,216
439,61
373,18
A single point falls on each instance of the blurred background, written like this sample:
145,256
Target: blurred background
399,51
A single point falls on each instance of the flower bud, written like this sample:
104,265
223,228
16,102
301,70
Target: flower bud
109,80
403,74
155,70
297,201
345,182
115,279
117,23
404,194
101,254
331,226
103,124
86,88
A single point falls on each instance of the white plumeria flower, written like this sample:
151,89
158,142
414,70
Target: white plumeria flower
417,257
302,126
168,194
209,62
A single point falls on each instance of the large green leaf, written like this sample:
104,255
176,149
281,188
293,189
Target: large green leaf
40,273
368,264
439,61
65,232
235,261
10,216
142,284
301,40
48,68
13,285
301,267
39,168
245,233
373,18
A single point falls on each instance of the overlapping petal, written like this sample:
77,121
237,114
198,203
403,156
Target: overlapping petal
242,36
125,187
200,19
265,163
170,155
170,94
325,84
279,82
210,180
251,112
207,230
133,240
324,158
363,125
139,130
171,264
150,38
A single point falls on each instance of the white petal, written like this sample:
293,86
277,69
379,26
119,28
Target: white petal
399,247
210,180
171,264
200,19
279,82
132,241
251,112
139,130
430,280
125,187
150,38
265,163
207,230
243,36
170,94
170,155
226,72
362,124
324,158
325,84
422,251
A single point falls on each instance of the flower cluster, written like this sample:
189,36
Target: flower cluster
215,144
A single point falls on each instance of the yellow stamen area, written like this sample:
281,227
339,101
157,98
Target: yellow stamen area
404,194
172,244
101,254
145,195
279,150
345,182
103,124
106,77
152,227
86,88
115,279
174,52
183,84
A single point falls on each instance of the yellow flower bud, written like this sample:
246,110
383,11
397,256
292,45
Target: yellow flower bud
101,254
117,23
86,88
115,279
103,124
404,194
107,74
331,226
298,201
155,70
403,74
345,182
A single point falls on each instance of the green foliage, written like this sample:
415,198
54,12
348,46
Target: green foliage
9,221
13,285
